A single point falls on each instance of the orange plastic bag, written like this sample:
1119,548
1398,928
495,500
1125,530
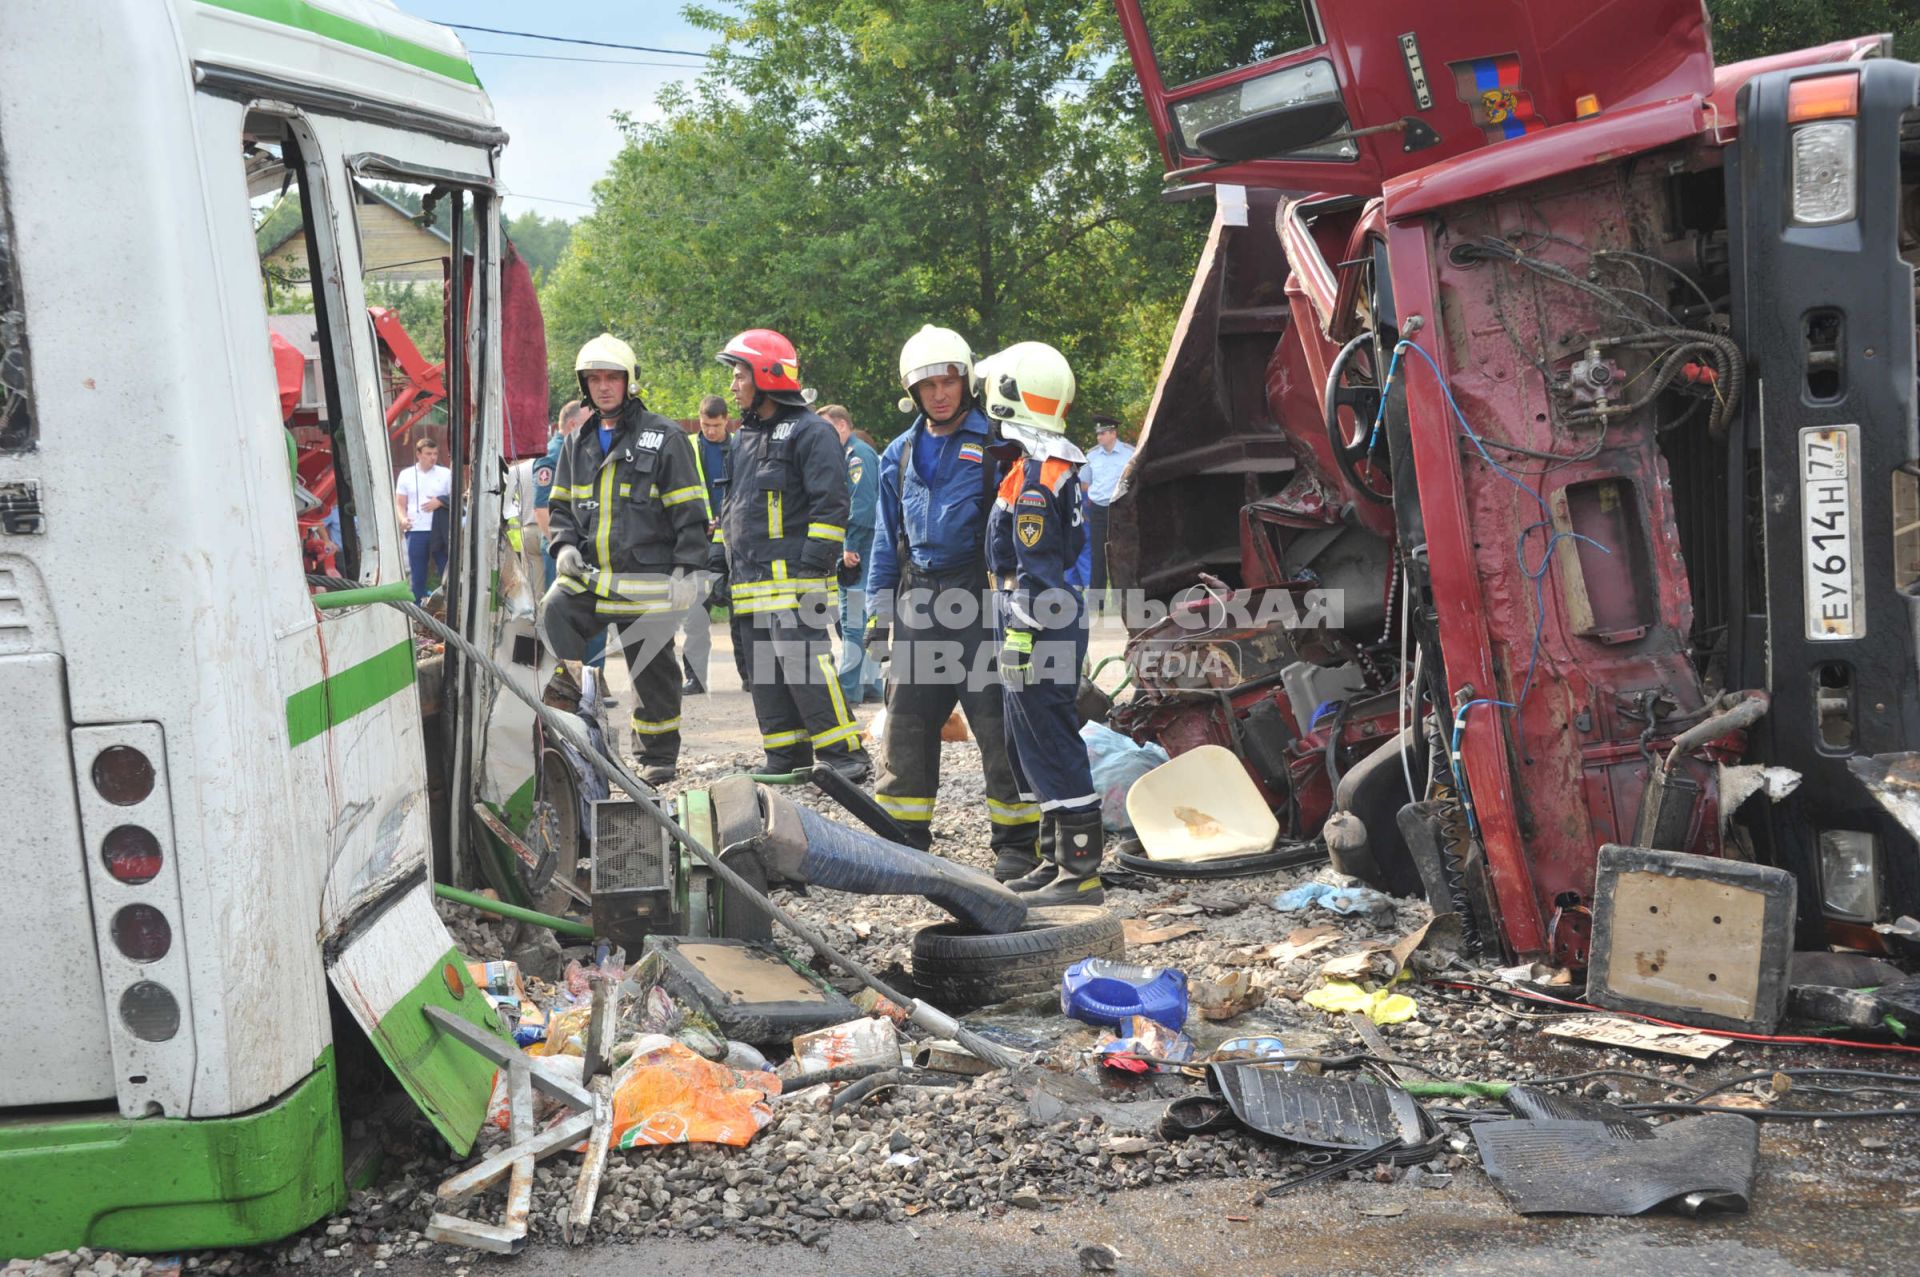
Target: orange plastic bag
669,1095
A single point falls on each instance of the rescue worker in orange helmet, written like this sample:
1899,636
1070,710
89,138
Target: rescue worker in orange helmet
777,551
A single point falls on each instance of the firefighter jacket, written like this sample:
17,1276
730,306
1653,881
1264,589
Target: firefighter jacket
1035,536
938,529
636,512
785,517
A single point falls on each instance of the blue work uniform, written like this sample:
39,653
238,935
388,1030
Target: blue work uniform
858,680
1035,539
930,543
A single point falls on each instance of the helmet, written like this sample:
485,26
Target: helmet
1028,389
771,359
935,352
609,353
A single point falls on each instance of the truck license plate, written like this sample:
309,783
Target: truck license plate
1830,541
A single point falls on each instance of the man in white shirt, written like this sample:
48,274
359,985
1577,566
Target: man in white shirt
1100,476
420,498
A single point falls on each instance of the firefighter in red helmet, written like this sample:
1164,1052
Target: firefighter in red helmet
776,551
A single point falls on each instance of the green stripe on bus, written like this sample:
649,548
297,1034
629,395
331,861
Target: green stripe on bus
331,26
313,710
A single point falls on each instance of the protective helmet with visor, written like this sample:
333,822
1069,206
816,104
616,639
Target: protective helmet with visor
1027,390
606,353
935,352
773,362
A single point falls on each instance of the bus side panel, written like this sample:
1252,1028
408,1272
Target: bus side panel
52,978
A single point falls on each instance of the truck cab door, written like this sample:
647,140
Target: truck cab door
1282,94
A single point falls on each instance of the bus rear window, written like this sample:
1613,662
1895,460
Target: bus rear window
18,431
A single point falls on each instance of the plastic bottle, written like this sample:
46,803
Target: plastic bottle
1101,991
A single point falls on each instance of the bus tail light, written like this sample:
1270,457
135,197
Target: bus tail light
132,854
1823,97
150,1012
142,933
123,775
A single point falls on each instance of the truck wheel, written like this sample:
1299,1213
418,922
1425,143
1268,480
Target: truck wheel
957,969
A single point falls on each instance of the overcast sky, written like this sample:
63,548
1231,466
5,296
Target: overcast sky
559,113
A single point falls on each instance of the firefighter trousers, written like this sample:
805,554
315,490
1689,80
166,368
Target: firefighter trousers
1043,726
569,622
796,689
935,665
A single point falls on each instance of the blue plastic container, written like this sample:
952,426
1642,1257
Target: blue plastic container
1101,991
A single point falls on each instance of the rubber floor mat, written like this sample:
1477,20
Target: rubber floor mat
1324,1112
1530,1102
1583,1168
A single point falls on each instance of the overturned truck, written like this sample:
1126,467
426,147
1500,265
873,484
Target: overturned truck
1580,374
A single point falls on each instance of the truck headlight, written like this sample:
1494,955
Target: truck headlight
1850,875
1824,189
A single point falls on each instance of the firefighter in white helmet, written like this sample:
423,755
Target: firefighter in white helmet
1036,535
628,523
936,486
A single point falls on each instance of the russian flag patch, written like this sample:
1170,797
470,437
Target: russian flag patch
973,452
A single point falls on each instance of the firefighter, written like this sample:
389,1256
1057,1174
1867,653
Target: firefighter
1035,539
777,550
936,487
628,524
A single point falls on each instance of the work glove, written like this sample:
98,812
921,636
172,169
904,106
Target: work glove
879,639
568,561
1016,658
719,594
684,590
717,559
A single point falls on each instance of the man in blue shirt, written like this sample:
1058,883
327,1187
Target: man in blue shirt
859,681
1100,477
929,568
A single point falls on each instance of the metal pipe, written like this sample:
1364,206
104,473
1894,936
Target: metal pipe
1742,715
565,926
392,592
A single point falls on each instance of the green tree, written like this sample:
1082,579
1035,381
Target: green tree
541,240
1755,28
852,169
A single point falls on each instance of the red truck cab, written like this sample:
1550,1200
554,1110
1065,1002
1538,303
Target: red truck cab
1584,373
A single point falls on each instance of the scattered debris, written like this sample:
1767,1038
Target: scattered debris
1350,901
1139,932
1589,1168
1232,995
1098,991
1382,1005
1635,1036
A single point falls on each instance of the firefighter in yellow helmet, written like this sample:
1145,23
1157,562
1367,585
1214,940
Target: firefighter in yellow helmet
1035,536
628,523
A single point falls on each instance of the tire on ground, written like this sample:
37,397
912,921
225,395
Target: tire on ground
959,970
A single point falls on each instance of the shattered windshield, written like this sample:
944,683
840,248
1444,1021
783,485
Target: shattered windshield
17,432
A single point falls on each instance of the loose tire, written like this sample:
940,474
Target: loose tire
957,969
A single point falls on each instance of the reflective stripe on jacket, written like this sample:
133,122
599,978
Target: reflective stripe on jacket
785,515
637,509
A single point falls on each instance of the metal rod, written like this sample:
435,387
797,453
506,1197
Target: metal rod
565,926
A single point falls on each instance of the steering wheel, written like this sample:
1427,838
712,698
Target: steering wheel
1353,384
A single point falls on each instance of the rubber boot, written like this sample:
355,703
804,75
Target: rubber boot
1014,863
1046,871
1079,842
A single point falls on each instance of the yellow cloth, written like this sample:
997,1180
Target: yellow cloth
1382,1006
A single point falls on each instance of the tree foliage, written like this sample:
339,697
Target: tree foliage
1755,28
849,170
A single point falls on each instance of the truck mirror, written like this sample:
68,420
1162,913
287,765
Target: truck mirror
1293,127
